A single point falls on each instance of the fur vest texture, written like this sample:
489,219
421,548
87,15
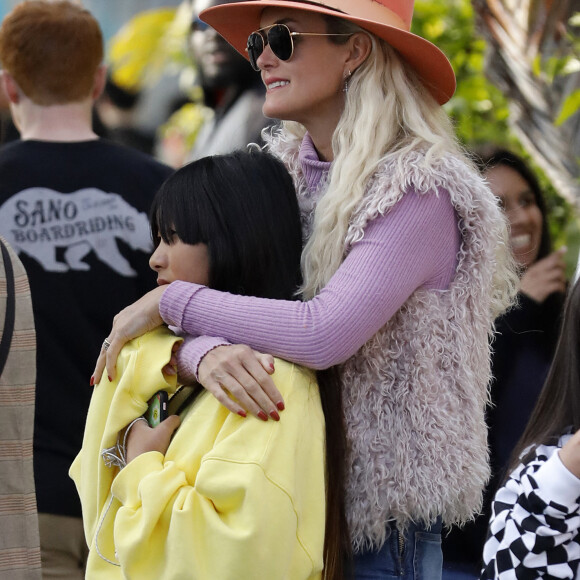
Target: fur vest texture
415,394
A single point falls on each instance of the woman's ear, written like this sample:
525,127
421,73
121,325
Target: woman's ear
360,48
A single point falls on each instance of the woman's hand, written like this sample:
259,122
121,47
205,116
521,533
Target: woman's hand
545,276
570,454
245,374
142,438
135,320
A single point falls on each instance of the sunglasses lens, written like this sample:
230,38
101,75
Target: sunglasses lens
280,41
255,48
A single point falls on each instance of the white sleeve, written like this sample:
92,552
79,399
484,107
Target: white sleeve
535,522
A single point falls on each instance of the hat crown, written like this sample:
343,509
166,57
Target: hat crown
375,10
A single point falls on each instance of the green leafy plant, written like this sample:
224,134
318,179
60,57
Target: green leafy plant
481,112
478,108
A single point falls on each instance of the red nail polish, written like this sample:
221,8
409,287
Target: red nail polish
275,416
263,416
92,380
242,414
272,368
110,379
280,406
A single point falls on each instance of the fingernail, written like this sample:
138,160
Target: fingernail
110,379
263,416
280,406
272,367
274,415
242,414
92,380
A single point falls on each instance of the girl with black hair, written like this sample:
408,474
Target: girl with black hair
535,524
207,494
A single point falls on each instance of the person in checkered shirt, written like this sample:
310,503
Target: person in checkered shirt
534,531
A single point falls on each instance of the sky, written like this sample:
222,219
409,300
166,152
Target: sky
111,14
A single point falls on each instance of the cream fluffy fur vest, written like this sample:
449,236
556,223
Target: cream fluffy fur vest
414,395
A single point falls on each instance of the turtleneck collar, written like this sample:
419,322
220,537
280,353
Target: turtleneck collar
314,169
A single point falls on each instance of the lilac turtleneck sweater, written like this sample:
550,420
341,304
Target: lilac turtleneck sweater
414,245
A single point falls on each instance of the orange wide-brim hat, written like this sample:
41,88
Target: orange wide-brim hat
387,19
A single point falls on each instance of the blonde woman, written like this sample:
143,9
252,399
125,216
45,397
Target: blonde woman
405,268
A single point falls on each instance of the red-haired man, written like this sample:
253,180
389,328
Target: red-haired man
74,207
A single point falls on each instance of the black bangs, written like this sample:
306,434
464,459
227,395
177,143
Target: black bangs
179,208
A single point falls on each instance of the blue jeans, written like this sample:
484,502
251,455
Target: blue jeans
417,557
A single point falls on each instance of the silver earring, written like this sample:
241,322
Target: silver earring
346,81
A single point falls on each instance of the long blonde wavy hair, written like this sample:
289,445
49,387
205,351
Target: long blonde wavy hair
387,110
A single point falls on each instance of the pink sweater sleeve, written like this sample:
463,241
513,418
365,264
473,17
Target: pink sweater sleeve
413,245
191,353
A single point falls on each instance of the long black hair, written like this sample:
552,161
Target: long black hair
243,206
558,406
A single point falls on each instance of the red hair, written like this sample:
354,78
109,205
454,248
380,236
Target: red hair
52,50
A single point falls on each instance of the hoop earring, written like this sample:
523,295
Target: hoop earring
346,81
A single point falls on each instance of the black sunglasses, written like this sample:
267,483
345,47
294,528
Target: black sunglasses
281,41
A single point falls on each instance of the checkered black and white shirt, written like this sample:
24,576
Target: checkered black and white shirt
534,531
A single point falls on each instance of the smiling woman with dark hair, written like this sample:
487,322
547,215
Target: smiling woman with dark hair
527,335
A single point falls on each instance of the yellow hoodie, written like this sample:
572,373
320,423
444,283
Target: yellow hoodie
232,498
